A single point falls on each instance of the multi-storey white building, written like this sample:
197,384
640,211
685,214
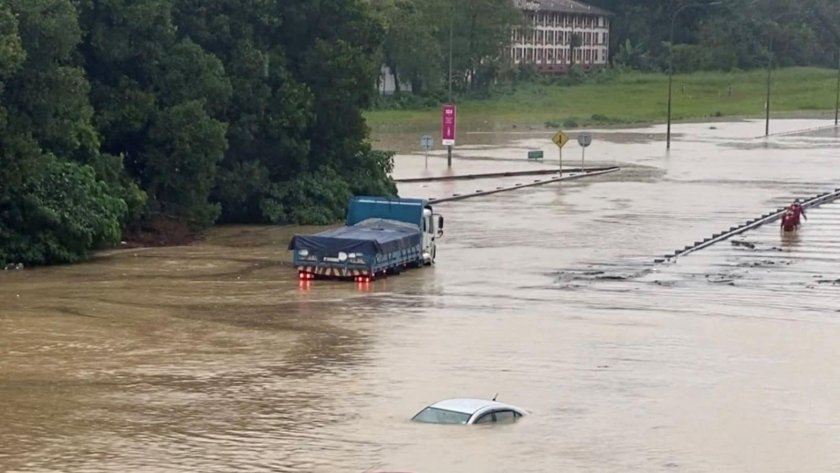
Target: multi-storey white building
546,40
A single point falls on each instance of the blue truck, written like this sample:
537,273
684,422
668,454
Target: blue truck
381,236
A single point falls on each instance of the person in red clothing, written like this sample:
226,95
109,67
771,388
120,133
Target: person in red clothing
798,211
789,221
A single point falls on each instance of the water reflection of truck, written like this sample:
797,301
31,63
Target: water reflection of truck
381,236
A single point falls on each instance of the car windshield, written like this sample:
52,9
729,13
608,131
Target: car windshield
434,415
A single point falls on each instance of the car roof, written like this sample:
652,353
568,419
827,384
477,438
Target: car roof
470,406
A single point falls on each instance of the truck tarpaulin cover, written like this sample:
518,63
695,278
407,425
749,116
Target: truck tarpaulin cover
369,237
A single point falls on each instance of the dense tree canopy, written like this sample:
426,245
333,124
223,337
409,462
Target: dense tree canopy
723,34
114,113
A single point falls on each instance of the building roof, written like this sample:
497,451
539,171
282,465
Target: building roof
563,6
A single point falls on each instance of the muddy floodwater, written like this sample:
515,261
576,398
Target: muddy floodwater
214,358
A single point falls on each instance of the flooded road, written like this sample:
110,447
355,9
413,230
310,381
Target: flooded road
214,358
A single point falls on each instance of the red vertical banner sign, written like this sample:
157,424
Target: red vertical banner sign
447,127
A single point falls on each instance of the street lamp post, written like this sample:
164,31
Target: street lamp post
770,55
674,13
767,102
670,79
837,100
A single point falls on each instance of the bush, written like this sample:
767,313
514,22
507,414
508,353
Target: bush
408,101
61,213
605,120
314,198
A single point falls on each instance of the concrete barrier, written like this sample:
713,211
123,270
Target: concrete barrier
751,224
539,172
457,197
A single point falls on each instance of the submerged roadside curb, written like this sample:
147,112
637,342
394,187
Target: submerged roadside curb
465,177
796,132
766,218
536,182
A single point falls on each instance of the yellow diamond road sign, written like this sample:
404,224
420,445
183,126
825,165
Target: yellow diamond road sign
560,139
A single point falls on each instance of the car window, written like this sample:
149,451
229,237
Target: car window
486,419
506,417
434,415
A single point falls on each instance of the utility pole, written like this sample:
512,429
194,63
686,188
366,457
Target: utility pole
767,103
675,10
670,79
451,28
837,101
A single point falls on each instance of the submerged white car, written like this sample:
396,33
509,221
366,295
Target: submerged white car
469,411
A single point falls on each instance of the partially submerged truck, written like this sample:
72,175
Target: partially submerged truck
381,236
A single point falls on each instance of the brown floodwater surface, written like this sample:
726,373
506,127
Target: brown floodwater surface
213,357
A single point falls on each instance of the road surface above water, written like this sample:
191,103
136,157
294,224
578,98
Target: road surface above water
212,358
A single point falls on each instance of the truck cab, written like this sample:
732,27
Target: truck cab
432,230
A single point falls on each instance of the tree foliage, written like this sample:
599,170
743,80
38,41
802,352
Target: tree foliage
417,41
723,35
115,112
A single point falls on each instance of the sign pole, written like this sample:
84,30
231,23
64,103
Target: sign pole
584,140
448,131
560,139
561,162
426,142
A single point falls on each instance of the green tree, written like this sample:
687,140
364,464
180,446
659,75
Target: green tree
575,41
482,35
52,208
412,49
269,111
146,79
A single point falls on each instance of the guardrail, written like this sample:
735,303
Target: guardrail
748,225
465,177
536,182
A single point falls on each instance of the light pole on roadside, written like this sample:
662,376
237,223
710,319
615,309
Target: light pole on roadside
767,101
670,78
451,28
770,55
837,100
674,13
